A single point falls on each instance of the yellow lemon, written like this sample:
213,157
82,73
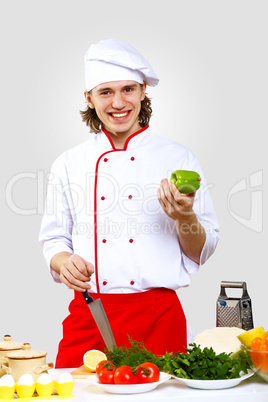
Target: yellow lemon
247,337
92,358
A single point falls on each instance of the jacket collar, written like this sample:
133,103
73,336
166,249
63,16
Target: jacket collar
133,141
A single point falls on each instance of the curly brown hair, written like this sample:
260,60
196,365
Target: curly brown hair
89,116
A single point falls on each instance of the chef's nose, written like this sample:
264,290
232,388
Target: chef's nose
118,101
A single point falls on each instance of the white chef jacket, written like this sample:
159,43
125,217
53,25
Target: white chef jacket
102,205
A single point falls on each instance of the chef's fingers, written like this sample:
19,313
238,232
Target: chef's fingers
69,269
167,207
164,185
175,204
85,268
163,205
90,268
159,195
166,196
162,198
72,286
183,199
69,280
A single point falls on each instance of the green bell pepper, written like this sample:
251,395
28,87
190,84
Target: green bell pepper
186,181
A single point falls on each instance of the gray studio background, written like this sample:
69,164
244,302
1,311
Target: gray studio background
211,57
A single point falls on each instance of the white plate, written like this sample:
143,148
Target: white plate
128,389
214,384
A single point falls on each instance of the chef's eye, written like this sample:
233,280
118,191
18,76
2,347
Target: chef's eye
129,89
105,93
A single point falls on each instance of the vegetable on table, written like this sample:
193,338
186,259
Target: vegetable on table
205,364
247,337
104,363
144,373
106,375
132,356
194,364
221,339
186,181
125,375
147,372
105,372
260,360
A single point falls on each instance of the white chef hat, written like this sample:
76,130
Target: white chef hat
115,60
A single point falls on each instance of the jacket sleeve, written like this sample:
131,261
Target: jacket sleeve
56,228
206,215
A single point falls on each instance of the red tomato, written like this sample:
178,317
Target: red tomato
147,372
124,375
260,360
106,376
104,363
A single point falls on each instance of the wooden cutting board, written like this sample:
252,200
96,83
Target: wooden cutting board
81,372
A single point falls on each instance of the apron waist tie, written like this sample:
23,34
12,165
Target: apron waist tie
115,298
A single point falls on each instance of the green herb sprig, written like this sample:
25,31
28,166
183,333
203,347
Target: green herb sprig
194,364
132,356
206,364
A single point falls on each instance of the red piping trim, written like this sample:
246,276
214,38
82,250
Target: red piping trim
107,135
127,140
95,195
95,221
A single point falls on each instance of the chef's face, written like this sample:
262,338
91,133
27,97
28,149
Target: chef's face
118,104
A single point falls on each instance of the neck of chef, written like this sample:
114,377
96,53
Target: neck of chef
119,140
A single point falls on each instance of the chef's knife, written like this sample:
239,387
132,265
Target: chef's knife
100,317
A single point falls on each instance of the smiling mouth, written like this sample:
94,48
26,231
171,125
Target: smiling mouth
118,115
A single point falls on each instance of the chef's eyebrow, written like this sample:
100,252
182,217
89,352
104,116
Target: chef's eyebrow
110,89
103,89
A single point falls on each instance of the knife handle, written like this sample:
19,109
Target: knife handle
87,298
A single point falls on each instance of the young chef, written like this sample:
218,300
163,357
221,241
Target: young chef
114,224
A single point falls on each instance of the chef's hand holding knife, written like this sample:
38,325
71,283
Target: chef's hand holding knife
74,271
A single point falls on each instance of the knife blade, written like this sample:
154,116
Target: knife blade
100,317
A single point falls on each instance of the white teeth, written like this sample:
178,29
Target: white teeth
119,114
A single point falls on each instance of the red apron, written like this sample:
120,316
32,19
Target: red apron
154,317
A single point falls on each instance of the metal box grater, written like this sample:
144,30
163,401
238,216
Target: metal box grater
234,312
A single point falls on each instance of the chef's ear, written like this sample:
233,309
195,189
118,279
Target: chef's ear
89,100
143,90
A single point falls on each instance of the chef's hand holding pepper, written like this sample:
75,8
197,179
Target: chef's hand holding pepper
74,271
175,204
179,207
